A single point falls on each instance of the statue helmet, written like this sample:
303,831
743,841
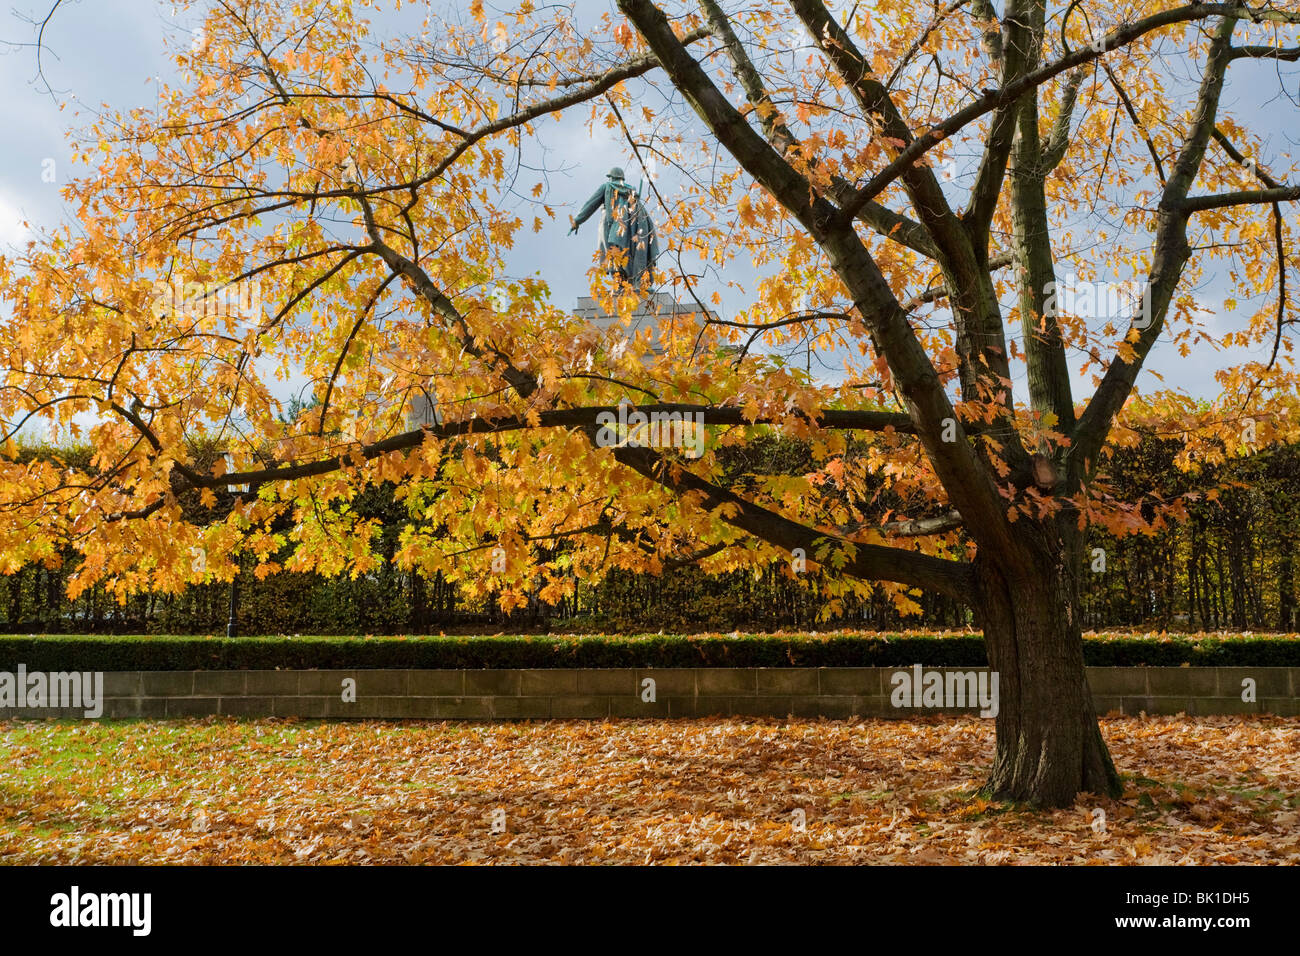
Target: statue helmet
616,172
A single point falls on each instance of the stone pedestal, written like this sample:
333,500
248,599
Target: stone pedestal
649,315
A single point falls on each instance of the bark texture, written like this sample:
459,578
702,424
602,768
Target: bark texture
1049,744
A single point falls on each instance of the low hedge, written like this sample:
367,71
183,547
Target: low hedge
132,653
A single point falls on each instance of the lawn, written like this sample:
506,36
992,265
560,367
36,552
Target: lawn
1198,790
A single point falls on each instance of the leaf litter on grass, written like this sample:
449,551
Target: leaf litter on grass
1198,790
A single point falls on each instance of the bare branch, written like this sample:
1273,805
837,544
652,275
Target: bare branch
1170,253
920,527
1243,197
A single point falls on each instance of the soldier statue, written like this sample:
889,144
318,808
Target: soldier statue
627,230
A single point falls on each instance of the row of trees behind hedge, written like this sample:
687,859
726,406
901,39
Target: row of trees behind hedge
1230,565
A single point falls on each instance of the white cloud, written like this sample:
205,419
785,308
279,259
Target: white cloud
13,228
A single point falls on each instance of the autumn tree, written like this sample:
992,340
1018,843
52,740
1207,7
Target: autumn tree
902,188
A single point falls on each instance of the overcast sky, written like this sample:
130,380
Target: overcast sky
111,50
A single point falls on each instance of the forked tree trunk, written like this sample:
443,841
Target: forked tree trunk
1049,745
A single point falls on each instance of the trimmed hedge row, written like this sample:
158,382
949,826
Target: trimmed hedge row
117,653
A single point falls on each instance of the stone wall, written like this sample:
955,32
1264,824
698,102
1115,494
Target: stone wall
833,692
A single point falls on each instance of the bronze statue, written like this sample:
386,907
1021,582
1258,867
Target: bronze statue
627,231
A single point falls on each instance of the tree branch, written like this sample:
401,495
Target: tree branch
992,99
868,561
885,221
1170,254
919,527
587,417
1243,197
956,462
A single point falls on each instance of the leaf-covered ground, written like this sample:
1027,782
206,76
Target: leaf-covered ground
1198,790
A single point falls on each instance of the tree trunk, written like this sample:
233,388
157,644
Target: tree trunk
418,622
15,599
1049,745
1286,602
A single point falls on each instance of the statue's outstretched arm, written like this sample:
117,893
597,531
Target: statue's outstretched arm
595,202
